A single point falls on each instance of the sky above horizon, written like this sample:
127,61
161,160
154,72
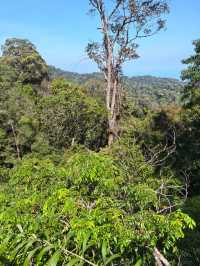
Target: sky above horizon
61,30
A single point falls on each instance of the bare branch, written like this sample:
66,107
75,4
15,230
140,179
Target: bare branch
160,259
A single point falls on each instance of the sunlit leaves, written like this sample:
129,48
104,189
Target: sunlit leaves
85,210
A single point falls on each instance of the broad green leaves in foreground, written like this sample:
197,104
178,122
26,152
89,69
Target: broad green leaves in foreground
83,212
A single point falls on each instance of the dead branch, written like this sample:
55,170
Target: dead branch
160,259
160,156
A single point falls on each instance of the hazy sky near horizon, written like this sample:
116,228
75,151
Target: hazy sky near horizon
61,30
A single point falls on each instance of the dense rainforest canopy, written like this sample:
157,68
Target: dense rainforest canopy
68,199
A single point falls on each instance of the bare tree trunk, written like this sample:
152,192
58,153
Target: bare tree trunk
120,28
112,127
111,79
111,89
111,74
160,260
113,114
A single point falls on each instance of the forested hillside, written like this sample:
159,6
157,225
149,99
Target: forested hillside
99,169
69,199
149,90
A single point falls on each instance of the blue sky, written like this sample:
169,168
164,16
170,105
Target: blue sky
61,29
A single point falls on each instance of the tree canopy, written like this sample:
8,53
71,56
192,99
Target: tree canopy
23,57
68,198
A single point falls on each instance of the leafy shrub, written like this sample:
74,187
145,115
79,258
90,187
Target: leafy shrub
84,211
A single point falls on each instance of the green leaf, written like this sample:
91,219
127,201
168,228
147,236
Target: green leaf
85,241
53,261
73,262
29,244
104,250
18,248
113,257
30,255
42,253
139,263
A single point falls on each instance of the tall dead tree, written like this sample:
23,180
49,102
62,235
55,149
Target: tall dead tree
122,23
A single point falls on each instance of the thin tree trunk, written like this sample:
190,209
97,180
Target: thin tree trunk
112,131
112,116
112,82
160,260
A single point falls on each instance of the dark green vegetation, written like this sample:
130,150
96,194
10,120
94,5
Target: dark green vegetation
149,91
68,199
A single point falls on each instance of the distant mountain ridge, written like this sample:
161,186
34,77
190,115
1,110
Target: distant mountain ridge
73,76
154,90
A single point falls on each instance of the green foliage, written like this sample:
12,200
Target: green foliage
27,112
75,117
188,156
190,246
63,204
128,155
191,74
22,56
86,209
8,77
93,173
19,121
147,91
